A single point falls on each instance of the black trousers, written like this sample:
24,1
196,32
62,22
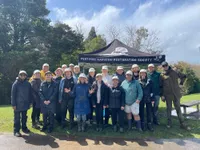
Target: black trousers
117,114
35,116
58,112
99,114
67,105
107,115
48,117
20,118
148,112
90,115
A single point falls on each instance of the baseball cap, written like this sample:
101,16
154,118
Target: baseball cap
48,72
99,74
45,65
82,75
120,67
164,64
91,70
36,71
71,65
143,70
129,72
151,65
115,77
104,67
135,66
22,72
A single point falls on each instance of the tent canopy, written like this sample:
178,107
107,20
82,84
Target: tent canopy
118,53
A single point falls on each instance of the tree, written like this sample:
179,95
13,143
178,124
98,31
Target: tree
22,22
92,34
94,44
113,32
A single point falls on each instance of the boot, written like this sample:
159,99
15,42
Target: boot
143,126
83,126
185,127
149,127
169,124
79,127
139,126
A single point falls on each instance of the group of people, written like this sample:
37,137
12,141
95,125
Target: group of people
124,96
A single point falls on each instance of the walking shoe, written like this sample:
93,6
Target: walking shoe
185,127
43,129
143,126
26,130
115,128
169,124
156,123
121,130
35,126
149,127
17,134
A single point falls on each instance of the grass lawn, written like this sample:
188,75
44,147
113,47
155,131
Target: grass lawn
6,125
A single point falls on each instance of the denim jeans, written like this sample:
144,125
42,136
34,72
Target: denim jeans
155,108
81,118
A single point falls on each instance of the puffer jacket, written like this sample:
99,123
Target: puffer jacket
35,84
21,95
116,97
48,91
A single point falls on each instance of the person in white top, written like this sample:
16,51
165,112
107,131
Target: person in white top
107,79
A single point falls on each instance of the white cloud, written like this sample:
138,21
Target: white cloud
179,28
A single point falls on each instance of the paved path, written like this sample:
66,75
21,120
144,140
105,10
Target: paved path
41,142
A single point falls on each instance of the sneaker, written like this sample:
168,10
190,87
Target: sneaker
26,130
17,134
185,127
121,130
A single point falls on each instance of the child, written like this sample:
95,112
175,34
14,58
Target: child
99,100
48,93
35,84
21,98
148,99
116,104
81,93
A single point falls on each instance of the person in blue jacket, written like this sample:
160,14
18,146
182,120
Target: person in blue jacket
81,92
147,100
48,94
120,74
21,98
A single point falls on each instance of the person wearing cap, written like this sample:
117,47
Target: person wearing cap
147,100
66,99
81,92
48,94
76,72
107,79
21,98
135,69
64,66
35,84
57,79
133,96
91,78
116,102
71,66
99,100
170,92
155,78
120,74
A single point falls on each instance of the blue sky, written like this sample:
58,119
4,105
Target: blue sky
177,21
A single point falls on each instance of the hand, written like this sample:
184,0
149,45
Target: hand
45,102
91,91
104,107
14,107
67,90
137,101
94,106
122,108
48,102
152,102
163,98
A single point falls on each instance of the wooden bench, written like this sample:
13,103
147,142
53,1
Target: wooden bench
190,104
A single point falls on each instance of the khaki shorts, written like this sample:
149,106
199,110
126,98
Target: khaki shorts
134,108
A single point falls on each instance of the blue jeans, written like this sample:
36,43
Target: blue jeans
155,108
81,118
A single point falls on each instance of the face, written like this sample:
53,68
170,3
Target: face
115,82
46,68
151,69
22,76
59,73
165,68
82,80
143,74
136,69
104,71
120,71
91,73
37,75
99,78
68,73
129,77
77,70
48,77
63,68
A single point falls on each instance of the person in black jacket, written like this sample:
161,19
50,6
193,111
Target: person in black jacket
48,93
91,78
21,98
99,100
35,84
66,99
136,70
148,100
57,79
116,103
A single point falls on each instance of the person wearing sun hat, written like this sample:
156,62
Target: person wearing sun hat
81,93
21,98
35,84
133,96
116,102
66,100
